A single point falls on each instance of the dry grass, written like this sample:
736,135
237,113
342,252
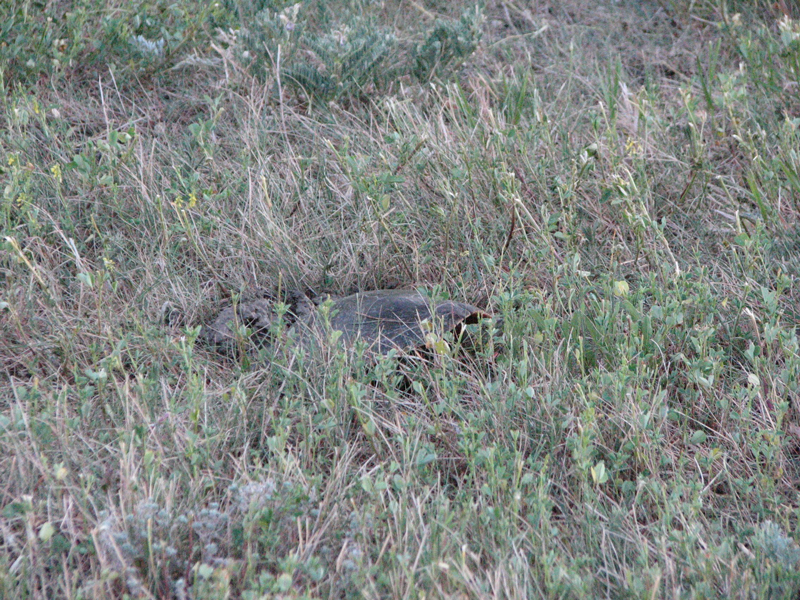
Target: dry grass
620,182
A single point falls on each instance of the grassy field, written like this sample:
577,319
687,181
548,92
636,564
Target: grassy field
619,180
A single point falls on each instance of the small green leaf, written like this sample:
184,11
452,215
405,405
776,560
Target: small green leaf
599,473
46,531
366,484
205,571
100,375
698,437
284,582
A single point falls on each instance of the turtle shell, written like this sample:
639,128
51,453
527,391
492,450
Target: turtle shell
387,319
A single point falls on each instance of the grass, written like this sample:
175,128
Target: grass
620,181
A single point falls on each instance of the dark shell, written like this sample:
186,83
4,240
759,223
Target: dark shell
384,319
387,319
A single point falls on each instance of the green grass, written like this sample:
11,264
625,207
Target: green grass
619,180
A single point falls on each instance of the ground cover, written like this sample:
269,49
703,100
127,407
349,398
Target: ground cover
620,181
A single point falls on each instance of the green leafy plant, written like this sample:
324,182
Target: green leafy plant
447,45
339,55
347,61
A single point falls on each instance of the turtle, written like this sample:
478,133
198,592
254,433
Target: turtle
383,319
387,319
